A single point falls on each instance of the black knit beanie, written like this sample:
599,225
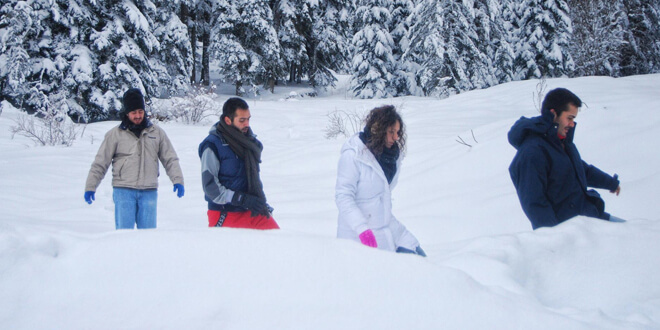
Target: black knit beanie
133,100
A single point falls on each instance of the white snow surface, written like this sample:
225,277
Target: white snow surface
63,265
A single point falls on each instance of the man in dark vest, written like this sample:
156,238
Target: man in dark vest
550,177
230,157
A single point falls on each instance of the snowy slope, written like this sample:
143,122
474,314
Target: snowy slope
63,266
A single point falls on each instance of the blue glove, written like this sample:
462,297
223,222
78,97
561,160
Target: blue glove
179,189
89,197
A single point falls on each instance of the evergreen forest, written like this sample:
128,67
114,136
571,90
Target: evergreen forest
77,57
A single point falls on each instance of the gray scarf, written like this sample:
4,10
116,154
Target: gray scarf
248,148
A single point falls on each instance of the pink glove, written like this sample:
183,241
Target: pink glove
367,238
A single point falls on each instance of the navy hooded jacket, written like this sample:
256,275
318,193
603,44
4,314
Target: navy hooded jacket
551,180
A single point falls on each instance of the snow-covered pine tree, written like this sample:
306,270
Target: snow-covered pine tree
598,36
35,40
289,18
174,62
483,14
543,41
245,43
227,50
427,49
79,64
328,40
126,51
122,43
79,56
16,27
133,57
494,40
262,38
446,44
188,18
641,51
403,76
38,56
507,22
197,16
373,63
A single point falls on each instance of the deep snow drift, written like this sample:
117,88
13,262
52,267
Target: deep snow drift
62,264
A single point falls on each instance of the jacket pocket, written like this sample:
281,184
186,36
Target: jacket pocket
127,173
151,146
117,167
372,209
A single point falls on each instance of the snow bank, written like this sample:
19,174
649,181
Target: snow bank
62,264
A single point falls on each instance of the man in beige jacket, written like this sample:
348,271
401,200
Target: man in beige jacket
134,148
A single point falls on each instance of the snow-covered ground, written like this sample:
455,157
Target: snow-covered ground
63,266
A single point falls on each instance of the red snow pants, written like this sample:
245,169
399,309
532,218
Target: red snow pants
240,220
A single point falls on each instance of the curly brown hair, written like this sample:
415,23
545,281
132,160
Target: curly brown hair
377,122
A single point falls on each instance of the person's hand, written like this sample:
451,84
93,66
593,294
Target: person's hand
89,197
250,202
367,238
178,188
618,187
268,211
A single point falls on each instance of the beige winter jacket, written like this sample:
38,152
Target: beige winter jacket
134,161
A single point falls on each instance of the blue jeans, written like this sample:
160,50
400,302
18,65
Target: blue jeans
134,206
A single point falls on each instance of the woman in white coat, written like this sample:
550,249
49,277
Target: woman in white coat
367,172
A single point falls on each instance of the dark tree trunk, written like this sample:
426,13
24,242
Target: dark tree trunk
187,16
206,76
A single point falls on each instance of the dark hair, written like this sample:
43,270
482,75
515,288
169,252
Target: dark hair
233,104
377,122
559,99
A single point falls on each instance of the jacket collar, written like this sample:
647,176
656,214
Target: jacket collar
124,123
365,156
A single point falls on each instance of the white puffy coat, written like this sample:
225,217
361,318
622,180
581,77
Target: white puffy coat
364,199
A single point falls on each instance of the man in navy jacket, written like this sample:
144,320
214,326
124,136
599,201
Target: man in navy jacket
230,157
550,177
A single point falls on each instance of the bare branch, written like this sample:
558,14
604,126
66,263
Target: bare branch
192,109
473,138
343,123
461,141
537,96
46,131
